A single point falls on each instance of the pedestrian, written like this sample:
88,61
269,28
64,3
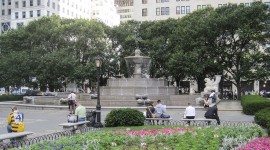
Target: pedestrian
189,113
213,96
80,111
150,111
212,113
71,102
206,102
15,121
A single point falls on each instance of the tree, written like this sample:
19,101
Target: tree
241,31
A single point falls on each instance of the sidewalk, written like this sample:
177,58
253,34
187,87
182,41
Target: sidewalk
46,121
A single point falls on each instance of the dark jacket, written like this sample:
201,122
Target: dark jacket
148,113
212,111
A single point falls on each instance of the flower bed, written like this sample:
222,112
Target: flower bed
262,143
148,138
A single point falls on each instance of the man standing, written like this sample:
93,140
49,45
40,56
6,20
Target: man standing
71,102
213,96
80,112
15,121
212,113
189,113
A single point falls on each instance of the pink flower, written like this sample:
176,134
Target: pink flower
262,143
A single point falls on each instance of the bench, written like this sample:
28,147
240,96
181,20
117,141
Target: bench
14,136
199,121
158,120
73,126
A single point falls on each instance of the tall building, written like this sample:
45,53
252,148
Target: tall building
105,11
124,9
149,10
16,13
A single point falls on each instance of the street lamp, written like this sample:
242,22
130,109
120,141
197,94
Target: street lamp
98,124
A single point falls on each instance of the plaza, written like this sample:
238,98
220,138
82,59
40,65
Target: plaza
46,121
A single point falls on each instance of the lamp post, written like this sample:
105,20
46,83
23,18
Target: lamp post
98,124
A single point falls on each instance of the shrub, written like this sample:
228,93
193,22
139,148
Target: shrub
11,97
253,103
124,117
262,118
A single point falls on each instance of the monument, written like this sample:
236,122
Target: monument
138,84
210,85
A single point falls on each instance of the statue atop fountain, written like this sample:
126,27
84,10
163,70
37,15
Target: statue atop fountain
141,63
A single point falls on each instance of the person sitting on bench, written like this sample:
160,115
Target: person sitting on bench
15,121
189,113
80,111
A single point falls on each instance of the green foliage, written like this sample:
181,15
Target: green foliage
124,117
262,118
253,103
11,97
157,137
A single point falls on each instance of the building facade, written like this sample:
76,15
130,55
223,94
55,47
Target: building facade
16,13
149,10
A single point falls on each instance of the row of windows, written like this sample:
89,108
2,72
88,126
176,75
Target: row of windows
4,2
125,16
4,12
166,10
123,11
31,3
31,14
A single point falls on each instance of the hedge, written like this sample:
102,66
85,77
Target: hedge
253,103
262,118
11,97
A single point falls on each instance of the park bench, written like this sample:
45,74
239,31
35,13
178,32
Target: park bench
157,121
14,136
74,126
199,121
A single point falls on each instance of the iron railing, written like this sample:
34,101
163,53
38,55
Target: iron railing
47,137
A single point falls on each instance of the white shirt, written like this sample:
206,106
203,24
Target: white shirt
190,111
212,95
72,96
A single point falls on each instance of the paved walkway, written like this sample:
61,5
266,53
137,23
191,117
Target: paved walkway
46,121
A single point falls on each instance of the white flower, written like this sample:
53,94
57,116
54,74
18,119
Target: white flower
216,136
143,144
127,129
113,144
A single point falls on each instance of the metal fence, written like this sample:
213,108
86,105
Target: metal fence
48,137
200,123
66,133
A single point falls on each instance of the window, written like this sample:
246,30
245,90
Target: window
203,6
183,9
5,26
3,2
157,1
9,2
23,14
24,3
177,9
9,11
19,25
16,4
53,5
219,5
144,1
48,13
31,14
246,4
38,13
187,9
3,12
144,12
48,3
31,2
167,11
162,10
38,2
199,6
158,11
16,15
